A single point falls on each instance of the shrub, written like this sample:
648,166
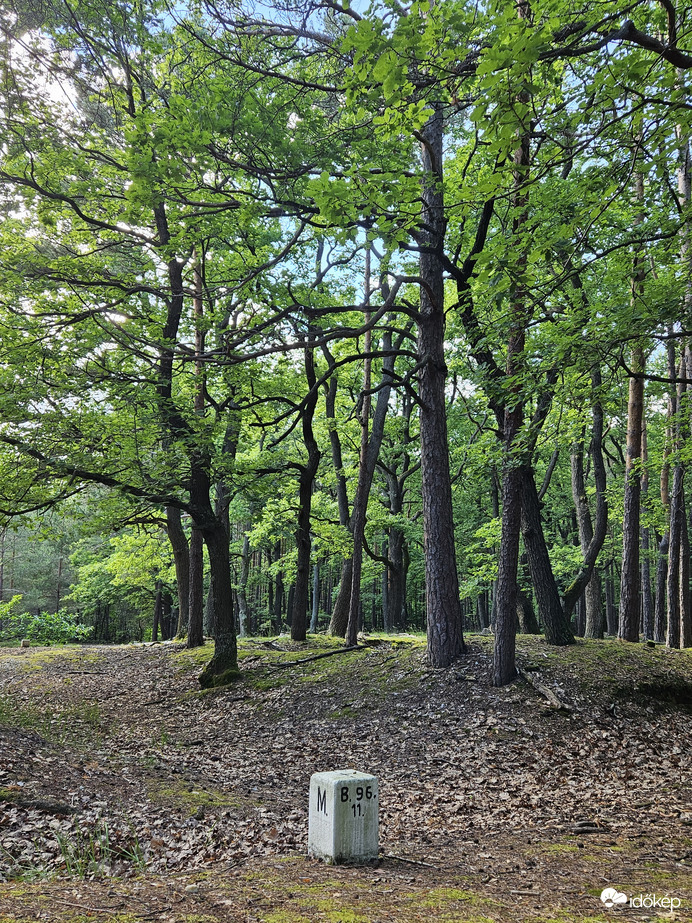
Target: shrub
42,627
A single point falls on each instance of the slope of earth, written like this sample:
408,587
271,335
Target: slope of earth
127,795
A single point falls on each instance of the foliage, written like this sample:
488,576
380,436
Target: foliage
44,627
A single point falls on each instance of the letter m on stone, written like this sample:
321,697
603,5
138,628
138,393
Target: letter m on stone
321,800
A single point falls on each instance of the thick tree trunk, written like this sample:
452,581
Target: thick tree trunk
443,609
223,667
195,632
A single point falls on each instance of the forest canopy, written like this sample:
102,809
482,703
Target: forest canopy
341,317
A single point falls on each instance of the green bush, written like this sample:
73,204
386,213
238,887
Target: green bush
42,628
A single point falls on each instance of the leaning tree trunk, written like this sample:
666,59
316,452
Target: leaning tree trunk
370,450
443,608
339,618
306,481
555,624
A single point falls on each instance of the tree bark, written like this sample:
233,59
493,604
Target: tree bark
647,601
306,481
443,609
661,577
181,559
315,598
628,627
242,584
593,627
370,450
555,624
195,632
158,600
339,619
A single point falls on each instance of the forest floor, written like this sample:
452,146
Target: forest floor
128,795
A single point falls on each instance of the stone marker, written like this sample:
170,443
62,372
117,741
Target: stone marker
344,823
25,642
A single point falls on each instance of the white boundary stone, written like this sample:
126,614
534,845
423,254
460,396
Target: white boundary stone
344,816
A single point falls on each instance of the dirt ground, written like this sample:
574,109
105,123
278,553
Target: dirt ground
126,794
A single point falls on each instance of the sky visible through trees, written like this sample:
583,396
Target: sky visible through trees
330,317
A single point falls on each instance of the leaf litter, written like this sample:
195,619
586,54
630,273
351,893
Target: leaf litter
118,779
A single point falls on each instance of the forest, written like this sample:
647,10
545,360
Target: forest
331,317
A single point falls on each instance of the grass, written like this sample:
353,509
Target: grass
92,854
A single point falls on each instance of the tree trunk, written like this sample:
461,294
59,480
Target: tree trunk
306,482
443,609
593,627
528,624
628,628
223,666
661,577
315,598
195,631
181,559
611,608
157,611
370,450
674,586
647,601
242,584
555,623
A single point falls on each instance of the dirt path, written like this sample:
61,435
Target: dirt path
127,795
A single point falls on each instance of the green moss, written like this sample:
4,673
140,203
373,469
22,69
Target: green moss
211,680
36,658
180,795
439,896
192,658
286,916
345,916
